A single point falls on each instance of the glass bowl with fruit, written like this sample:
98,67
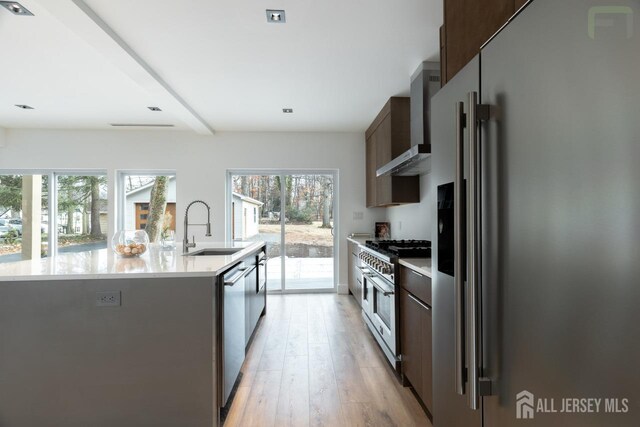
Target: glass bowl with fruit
130,243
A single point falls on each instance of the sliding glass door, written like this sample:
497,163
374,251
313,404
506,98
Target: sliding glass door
299,232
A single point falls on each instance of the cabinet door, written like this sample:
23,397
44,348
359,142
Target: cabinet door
382,143
259,302
468,25
427,359
443,56
416,283
519,4
250,283
411,340
350,266
370,178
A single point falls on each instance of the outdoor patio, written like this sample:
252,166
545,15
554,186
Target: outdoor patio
301,273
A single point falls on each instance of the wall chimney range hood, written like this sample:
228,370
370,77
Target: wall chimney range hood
425,82
414,161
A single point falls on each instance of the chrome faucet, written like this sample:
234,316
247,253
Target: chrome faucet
185,241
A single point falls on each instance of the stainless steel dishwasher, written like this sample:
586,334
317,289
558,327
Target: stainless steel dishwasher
233,328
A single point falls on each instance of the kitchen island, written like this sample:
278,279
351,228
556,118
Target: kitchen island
93,339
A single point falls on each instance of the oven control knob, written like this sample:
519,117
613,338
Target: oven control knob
386,269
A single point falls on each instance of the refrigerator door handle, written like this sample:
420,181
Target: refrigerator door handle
459,224
473,255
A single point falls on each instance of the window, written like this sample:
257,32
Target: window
136,204
82,217
50,212
24,205
255,215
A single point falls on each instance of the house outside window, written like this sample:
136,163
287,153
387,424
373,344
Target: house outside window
135,199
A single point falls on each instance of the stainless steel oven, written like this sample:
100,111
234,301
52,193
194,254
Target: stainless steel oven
366,297
380,308
383,309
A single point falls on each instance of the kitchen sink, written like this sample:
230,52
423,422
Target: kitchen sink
215,251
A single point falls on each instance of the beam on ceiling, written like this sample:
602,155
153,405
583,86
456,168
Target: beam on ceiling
83,21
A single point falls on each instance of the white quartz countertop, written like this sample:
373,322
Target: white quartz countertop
359,240
419,265
104,264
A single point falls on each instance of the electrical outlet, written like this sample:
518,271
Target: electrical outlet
108,299
399,225
358,216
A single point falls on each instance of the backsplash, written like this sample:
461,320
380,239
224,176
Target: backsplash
413,221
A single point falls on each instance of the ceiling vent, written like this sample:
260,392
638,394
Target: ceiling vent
275,16
15,8
141,125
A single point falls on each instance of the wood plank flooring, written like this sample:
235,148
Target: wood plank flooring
314,363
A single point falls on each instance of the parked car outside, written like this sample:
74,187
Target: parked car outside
4,227
16,224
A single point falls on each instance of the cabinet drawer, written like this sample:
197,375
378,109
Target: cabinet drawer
418,284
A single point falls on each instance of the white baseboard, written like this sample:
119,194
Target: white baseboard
343,289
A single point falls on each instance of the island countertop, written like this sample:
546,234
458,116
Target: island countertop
104,264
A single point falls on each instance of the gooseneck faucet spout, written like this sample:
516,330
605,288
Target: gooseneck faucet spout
185,241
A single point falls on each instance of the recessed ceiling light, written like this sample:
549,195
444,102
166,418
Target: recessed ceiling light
154,108
276,16
24,107
287,110
15,8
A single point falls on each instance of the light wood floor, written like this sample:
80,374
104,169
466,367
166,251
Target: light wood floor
314,363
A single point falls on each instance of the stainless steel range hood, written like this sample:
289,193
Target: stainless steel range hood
415,161
425,82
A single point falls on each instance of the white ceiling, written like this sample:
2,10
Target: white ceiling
212,64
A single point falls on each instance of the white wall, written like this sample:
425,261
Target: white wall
200,163
414,221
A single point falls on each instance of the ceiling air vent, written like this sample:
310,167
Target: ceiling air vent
141,125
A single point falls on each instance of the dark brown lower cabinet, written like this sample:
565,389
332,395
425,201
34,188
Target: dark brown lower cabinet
355,281
416,344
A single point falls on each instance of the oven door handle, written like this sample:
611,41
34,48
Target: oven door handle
386,291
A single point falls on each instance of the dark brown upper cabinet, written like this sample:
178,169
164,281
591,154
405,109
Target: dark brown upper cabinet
388,137
468,24
519,4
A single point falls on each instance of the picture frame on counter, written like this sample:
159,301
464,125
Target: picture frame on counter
383,230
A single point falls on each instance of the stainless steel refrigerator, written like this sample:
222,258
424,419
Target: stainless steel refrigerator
536,248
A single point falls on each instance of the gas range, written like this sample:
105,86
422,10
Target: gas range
401,248
379,261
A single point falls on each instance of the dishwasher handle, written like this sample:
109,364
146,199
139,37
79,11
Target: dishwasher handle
234,279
